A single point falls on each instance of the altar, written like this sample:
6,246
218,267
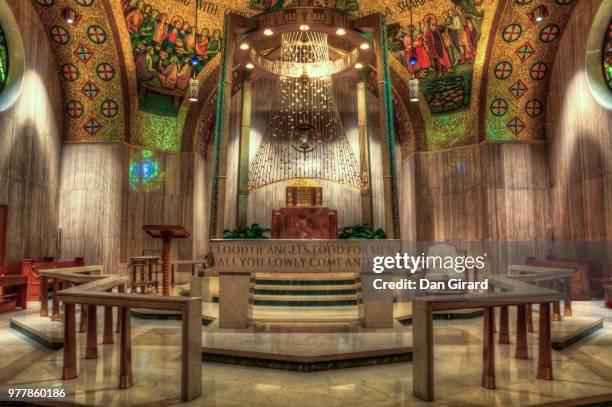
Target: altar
304,218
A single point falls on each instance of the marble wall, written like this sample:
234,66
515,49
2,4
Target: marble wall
579,133
491,196
171,203
30,146
96,181
90,211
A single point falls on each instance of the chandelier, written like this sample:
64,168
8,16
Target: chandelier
305,137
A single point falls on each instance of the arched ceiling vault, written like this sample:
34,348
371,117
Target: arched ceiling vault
483,66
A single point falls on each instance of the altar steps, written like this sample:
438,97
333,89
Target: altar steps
305,290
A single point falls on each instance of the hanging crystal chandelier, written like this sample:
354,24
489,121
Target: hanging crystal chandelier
305,138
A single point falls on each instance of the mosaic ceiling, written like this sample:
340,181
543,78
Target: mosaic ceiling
482,64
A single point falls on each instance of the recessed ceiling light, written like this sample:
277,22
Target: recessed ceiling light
268,32
304,27
250,66
358,65
364,45
244,46
340,31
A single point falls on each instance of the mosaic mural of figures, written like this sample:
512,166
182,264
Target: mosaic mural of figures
444,46
3,60
265,5
164,46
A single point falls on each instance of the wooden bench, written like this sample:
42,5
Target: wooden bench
13,292
580,286
30,269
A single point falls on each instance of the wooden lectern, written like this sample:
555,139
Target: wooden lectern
167,233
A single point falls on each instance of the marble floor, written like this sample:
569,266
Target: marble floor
583,370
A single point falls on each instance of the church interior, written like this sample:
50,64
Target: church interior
235,203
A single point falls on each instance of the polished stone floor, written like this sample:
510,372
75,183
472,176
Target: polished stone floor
581,370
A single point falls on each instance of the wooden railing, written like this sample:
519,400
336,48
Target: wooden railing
90,288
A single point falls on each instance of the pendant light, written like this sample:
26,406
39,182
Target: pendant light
413,84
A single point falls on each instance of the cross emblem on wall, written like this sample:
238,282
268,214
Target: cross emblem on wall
74,109
525,52
59,35
550,33
70,72
83,53
105,71
503,70
512,32
109,108
538,71
90,90
518,89
92,126
534,107
516,125
499,107
96,34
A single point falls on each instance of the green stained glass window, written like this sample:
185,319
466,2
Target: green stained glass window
607,56
4,60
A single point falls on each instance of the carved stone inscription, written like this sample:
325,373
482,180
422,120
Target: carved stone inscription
299,256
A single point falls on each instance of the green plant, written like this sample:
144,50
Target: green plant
361,231
246,232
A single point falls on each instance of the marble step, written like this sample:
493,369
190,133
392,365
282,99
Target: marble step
305,300
306,315
312,291
306,276
296,287
294,282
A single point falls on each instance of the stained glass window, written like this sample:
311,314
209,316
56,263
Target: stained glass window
146,174
607,56
4,60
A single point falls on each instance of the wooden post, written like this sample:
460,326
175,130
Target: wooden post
422,351
91,352
191,356
107,337
166,255
83,324
55,310
504,325
544,348
528,309
567,301
125,354
521,333
69,370
556,311
44,297
121,289
488,349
